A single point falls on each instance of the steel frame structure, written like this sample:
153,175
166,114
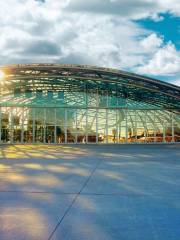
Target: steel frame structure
53,103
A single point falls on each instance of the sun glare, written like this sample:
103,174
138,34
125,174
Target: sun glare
1,74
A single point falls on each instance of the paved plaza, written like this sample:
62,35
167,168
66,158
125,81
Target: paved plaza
90,192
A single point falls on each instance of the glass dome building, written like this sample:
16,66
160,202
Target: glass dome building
52,103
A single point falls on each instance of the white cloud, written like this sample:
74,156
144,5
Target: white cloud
103,41
172,6
131,9
165,61
151,42
68,31
156,17
176,82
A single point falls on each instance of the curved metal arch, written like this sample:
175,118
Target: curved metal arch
129,85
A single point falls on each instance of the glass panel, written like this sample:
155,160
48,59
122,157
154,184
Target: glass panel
39,122
121,124
159,126
5,125
140,125
47,125
102,127
60,125
28,125
112,99
17,124
50,116
102,95
112,126
81,125
150,126
92,98
168,127
176,121
50,131
91,125
71,125
131,126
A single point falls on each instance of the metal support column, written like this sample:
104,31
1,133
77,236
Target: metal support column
97,107
44,134
11,125
172,120
126,111
22,126
117,124
33,115
55,127
106,125
145,130
76,136
96,125
164,126
154,118
0,125
135,126
65,125
86,126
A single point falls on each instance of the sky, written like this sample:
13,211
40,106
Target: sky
140,36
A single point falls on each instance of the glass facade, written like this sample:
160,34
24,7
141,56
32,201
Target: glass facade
92,125
56,104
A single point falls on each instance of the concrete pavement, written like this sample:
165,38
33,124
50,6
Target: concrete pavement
126,192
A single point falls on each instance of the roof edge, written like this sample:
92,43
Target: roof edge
91,67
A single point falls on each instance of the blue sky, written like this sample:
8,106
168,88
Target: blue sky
168,27
141,36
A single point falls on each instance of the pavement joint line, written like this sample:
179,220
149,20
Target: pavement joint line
89,194
37,192
73,201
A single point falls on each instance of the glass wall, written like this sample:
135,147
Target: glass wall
90,125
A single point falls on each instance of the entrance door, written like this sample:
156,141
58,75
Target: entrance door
50,133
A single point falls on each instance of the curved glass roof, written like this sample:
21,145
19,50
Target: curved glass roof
20,82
